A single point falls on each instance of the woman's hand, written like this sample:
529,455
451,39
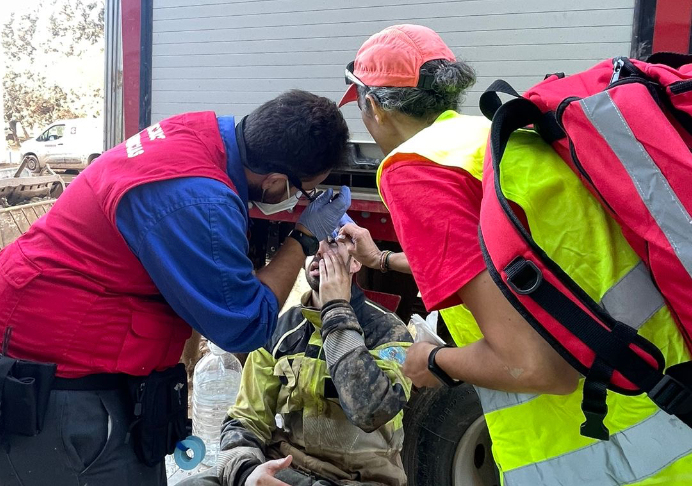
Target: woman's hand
364,248
416,365
335,281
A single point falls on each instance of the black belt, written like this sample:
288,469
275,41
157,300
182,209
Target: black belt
100,381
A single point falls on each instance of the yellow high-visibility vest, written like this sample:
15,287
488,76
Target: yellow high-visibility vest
536,439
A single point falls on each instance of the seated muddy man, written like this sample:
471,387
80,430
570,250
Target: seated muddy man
333,371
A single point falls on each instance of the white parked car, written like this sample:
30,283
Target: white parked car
65,144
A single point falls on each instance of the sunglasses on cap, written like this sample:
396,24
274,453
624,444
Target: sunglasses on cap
352,78
425,81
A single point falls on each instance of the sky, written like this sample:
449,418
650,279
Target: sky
19,7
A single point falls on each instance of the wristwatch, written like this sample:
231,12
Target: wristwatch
438,372
309,243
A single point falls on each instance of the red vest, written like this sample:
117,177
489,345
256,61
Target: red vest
73,291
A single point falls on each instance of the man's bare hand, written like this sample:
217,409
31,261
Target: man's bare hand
416,365
335,281
364,248
264,474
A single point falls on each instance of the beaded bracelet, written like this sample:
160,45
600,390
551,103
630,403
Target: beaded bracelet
384,261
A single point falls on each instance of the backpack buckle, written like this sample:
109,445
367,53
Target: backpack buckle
671,396
593,403
593,427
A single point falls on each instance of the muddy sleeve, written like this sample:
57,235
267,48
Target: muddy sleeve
371,388
250,422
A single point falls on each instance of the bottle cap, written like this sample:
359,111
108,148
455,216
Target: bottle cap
215,350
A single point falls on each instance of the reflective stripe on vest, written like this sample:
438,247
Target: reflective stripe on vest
629,457
660,199
632,301
534,431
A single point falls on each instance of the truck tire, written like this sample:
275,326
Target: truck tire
446,440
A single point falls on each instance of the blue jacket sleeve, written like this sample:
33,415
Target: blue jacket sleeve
190,235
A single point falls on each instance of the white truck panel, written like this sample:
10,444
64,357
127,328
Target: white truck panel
230,56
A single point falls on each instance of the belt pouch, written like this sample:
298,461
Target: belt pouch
160,413
24,392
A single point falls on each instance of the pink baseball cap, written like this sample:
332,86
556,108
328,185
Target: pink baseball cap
393,58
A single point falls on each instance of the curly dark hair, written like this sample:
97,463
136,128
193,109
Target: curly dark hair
451,80
296,133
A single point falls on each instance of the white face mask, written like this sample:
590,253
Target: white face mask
286,205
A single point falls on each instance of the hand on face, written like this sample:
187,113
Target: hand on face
263,475
416,365
345,219
364,248
335,279
340,248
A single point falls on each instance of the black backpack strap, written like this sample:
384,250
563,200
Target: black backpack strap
673,393
672,59
490,102
545,123
593,403
609,339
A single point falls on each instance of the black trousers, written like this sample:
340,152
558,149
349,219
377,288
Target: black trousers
82,443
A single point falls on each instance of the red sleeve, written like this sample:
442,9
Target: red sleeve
435,211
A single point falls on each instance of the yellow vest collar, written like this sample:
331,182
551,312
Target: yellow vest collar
453,140
310,313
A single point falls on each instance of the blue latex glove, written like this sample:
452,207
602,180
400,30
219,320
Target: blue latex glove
345,219
323,215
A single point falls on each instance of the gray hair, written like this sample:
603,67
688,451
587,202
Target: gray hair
451,80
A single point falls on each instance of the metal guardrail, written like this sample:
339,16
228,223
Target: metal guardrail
16,220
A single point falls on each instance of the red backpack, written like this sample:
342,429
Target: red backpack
625,128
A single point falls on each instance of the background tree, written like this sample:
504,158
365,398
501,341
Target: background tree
47,50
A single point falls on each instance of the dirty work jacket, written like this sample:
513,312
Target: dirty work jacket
343,423
536,438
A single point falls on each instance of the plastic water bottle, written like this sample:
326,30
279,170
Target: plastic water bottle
214,389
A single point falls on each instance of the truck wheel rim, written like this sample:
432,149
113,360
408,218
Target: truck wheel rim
473,460
32,164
